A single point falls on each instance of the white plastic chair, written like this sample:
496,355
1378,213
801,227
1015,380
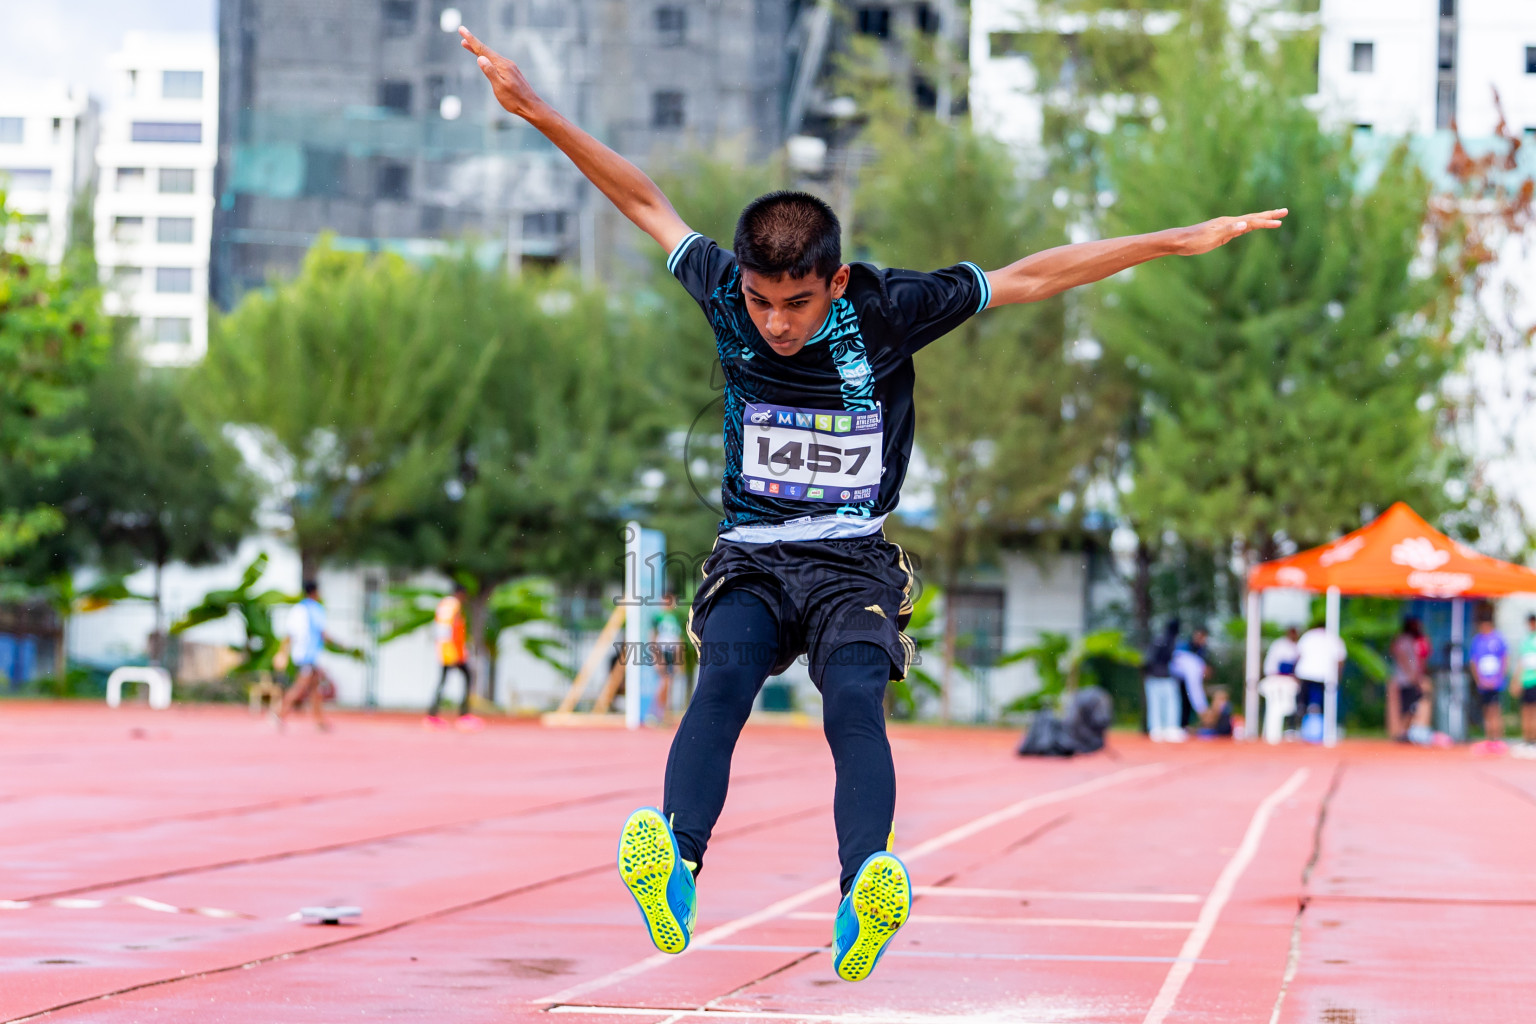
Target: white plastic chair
157,679
1279,693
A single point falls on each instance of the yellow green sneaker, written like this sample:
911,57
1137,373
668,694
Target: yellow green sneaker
659,879
870,915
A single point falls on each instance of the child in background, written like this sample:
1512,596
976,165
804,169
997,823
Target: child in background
1490,671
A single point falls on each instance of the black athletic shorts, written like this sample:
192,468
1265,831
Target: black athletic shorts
1409,695
825,594
1487,698
1528,694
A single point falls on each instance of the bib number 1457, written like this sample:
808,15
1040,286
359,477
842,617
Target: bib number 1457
812,454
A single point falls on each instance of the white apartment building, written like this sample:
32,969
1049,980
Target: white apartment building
47,143
1399,67
154,205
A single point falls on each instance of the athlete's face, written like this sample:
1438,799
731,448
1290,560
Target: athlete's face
788,311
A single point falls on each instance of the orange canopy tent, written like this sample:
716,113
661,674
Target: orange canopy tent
1397,555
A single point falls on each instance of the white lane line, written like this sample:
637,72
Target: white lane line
830,887
1046,894
884,1017
1194,945
1041,922
938,955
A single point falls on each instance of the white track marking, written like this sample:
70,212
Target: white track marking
1194,945
1045,894
930,954
830,887
1042,922
819,1018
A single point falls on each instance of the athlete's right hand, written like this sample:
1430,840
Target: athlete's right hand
512,90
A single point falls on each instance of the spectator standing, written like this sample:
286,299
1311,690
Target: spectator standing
1490,671
1528,681
1161,689
1405,687
667,643
1319,657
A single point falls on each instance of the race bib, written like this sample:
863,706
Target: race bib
1528,659
812,454
1489,666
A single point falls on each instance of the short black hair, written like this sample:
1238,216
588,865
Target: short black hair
789,233
311,587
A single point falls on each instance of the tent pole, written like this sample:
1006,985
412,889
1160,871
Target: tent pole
1251,676
1456,724
1331,690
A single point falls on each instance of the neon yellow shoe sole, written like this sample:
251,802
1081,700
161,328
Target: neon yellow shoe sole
872,912
655,875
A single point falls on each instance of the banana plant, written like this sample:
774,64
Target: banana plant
253,608
1064,663
514,603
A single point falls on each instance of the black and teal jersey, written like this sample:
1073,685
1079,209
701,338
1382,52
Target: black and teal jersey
817,443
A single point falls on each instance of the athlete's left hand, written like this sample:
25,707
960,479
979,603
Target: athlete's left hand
1220,230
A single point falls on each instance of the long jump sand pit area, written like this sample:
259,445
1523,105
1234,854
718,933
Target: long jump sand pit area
152,864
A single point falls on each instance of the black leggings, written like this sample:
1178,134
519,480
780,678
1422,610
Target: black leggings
442,681
853,703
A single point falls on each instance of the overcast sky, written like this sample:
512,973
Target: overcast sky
69,40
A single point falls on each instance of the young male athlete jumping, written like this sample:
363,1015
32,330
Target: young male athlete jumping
817,356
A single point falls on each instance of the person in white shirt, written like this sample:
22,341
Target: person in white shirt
1281,658
1319,658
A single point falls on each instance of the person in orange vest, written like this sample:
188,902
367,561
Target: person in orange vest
451,633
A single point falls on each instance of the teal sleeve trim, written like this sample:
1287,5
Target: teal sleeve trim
677,254
986,286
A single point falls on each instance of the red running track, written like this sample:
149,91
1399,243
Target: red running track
150,862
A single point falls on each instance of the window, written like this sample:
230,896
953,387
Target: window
437,88
978,625
399,17
128,230
172,330
1530,69
1363,61
875,21
672,25
546,224
394,181
177,180
927,19
1447,8
11,133
181,85
174,230
325,172
167,131
58,130
130,179
395,96
27,179
924,96
173,280
1447,49
667,110
127,280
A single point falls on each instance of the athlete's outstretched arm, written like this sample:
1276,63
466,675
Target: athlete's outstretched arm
625,185
1055,270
